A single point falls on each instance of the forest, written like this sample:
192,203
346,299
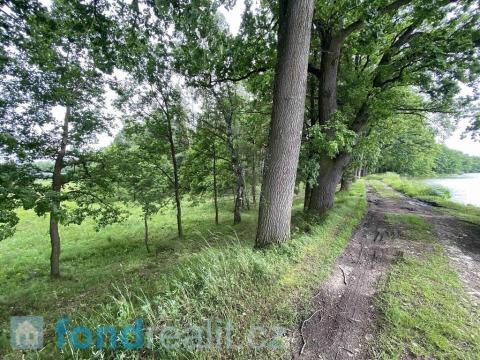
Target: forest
161,168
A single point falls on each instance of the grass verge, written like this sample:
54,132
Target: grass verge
425,311
215,278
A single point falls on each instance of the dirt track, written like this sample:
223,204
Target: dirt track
343,320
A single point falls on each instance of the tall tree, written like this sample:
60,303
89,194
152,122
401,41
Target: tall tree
428,45
287,122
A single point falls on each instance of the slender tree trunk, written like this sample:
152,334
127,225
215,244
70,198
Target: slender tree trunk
287,122
308,192
323,195
145,219
176,181
215,189
57,188
247,200
237,170
254,174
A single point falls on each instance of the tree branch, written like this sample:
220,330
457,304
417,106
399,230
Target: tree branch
357,25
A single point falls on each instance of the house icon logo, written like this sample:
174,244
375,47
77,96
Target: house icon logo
26,332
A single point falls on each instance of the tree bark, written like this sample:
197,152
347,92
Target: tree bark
254,174
287,122
57,188
176,182
215,189
331,170
237,170
328,78
145,219
346,183
308,192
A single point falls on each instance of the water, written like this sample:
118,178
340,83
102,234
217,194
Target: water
465,189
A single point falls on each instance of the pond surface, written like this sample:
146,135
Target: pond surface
465,188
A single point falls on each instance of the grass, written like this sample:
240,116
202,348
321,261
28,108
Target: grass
214,274
380,188
431,193
426,312
414,227
424,309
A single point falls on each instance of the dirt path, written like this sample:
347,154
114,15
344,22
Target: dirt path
343,320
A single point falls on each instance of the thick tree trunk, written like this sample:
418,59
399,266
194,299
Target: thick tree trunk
323,194
57,187
176,182
215,189
145,220
346,183
287,122
328,78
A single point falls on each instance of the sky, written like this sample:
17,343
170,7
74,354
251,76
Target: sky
466,145
234,18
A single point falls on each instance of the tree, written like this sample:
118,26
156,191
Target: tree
156,119
287,121
206,167
427,45
136,171
59,62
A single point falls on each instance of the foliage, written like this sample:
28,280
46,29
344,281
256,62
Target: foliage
451,161
332,138
56,60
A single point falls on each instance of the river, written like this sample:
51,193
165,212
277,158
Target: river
465,188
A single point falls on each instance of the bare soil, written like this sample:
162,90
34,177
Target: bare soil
342,322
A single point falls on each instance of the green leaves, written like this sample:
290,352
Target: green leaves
332,138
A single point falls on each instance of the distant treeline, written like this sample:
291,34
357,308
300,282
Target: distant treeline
439,159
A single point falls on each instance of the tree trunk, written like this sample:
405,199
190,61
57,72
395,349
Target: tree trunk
57,188
215,189
346,183
145,218
331,171
247,200
287,122
328,78
55,243
239,194
176,182
237,170
254,174
308,192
